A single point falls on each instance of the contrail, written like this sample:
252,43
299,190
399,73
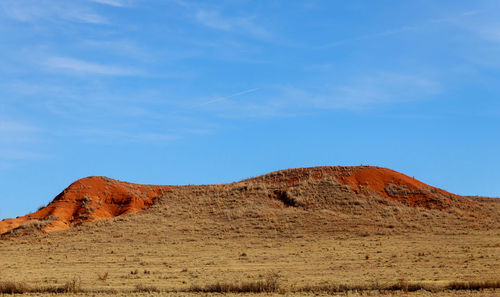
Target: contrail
227,97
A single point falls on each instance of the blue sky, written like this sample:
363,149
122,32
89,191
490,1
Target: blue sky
196,92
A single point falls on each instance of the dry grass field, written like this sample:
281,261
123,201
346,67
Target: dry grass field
320,238
484,293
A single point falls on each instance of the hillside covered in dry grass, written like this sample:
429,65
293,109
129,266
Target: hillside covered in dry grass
310,229
363,198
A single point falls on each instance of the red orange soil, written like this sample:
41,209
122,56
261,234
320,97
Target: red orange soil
94,198
370,180
395,186
90,199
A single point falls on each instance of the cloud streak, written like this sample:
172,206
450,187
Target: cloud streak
21,155
355,94
368,90
15,132
115,3
119,136
48,11
398,30
84,67
369,36
213,19
15,127
227,97
16,139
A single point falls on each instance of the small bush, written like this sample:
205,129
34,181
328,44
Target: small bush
140,288
268,285
473,285
13,288
404,286
335,288
103,276
72,286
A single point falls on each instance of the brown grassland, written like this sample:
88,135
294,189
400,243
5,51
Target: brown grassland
312,237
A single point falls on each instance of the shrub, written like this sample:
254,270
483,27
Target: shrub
13,288
140,288
72,286
473,285
103,276
268,285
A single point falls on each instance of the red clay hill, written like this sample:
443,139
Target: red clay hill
95,198
87,200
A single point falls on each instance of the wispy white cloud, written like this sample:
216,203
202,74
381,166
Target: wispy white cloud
12,132
476,22
369,90
91,18
490,32
16,141
402,29
358,93
478,32
481,27
245,104
385,33
119,136
15,127
120,47
34,11
6,154
115,3
223,98
457,17
213,19
81,66
260,108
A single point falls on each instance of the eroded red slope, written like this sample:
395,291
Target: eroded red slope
87,200
370,180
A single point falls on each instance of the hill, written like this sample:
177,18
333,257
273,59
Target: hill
363,192
299,231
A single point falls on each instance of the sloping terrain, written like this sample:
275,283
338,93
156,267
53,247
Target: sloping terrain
367,194
86,200
311,227
369,181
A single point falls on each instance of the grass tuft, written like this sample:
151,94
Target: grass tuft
103,276
13,288
402,285
473,285
140,288
269,284
72,286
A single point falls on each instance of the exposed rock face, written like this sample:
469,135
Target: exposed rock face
87,200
